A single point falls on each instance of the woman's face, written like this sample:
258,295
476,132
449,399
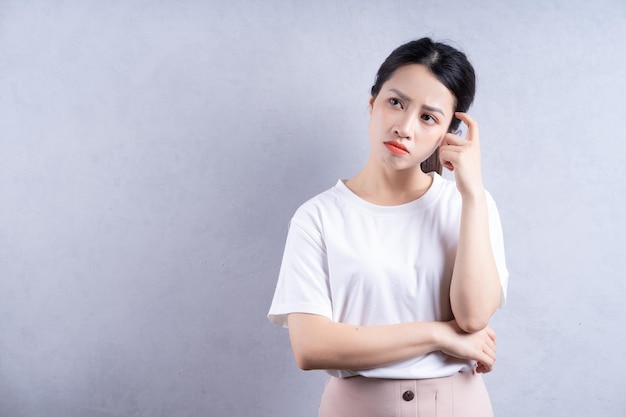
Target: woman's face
409,117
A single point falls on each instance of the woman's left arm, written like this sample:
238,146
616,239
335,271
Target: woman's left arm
475,289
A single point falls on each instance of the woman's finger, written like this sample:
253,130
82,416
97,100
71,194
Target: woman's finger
452,139
481,369
488,358
491,333
490,352
472,126
447,157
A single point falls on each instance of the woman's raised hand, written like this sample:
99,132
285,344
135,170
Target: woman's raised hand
479,346
463,157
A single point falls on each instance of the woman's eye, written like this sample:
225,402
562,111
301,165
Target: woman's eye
395,102
429,118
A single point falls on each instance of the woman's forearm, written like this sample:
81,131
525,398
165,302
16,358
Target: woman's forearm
475,288
319,343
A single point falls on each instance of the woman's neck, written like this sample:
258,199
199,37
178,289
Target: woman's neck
387,187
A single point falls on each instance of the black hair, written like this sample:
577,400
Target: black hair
449,65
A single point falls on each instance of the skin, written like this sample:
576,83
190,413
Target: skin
412,113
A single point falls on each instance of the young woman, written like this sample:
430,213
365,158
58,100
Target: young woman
389,279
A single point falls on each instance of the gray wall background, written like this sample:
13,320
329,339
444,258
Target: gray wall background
152,153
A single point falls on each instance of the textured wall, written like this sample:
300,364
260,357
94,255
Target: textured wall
152,154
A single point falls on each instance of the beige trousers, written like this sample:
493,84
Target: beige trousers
460,395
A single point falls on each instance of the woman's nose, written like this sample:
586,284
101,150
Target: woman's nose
404,125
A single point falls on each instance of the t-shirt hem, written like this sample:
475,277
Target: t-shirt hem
387,373
278,314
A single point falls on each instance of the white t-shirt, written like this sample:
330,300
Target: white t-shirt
363,264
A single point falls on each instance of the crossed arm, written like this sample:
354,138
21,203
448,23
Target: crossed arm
319,343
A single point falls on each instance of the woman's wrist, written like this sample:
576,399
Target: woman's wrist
440,335
474,196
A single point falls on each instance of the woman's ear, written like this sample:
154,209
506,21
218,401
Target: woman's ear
371,104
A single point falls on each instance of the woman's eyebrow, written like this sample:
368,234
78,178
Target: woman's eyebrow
407,99
402,96
433,109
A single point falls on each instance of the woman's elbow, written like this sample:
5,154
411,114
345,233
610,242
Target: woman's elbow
308,345
472,319
305,365
472,324
306,359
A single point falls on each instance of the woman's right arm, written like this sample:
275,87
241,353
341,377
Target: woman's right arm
319,343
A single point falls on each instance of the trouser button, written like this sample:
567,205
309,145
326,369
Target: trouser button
408,395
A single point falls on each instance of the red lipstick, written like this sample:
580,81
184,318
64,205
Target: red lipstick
397,148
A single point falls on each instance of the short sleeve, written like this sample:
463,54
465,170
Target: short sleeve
497,246
303,285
